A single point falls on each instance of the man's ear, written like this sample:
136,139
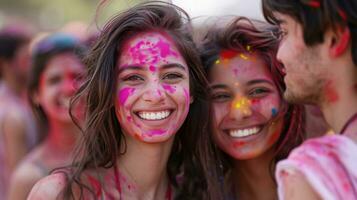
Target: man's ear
339,41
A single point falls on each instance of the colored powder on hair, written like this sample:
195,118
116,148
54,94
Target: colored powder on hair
314,4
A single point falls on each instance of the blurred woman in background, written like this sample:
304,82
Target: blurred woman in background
54,78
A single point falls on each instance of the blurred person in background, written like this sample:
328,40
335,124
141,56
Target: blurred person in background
17,126
54,78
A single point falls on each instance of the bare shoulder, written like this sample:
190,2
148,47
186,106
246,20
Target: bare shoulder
296,187
23,179
48,188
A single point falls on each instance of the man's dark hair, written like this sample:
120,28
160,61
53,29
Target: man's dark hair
316,17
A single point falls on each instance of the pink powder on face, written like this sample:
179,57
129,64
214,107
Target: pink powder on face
129,118
331,93
159,92
156,132
235,70
169,88
137,54
255,101
165,49
152,68
124,94
187,95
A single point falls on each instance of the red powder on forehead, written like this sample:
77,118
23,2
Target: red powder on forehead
330,93
227,54
315,4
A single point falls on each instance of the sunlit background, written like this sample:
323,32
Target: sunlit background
48,15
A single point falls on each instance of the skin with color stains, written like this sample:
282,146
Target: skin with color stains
58,83
252,103
153,79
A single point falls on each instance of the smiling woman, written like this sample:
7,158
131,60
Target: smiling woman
54,79
252,125
145,92
153,85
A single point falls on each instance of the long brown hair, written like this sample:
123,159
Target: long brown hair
259,36
102,135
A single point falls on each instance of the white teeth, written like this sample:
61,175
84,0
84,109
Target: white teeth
154,115
244,132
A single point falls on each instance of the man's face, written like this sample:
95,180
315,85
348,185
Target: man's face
306,70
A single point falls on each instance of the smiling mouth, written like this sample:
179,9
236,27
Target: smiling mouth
154,116
239,133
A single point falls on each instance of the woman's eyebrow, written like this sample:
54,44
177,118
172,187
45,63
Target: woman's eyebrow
130,67
173,65
217,86
257,81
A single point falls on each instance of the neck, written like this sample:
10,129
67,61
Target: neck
62,136
144,167
338,112
252,178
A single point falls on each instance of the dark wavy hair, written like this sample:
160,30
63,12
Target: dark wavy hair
43,52
239,34
102,135
10,42
316,17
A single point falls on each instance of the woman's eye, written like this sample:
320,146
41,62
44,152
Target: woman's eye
172,77
133,78
219,97
258,92
53,80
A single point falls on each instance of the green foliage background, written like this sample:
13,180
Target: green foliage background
52,14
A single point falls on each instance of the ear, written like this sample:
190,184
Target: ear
192,99
340,41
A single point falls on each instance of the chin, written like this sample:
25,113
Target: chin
245,155
156,138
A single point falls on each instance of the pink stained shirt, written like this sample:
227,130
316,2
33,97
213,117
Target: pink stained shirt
328,163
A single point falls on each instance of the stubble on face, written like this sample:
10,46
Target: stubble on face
307,78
